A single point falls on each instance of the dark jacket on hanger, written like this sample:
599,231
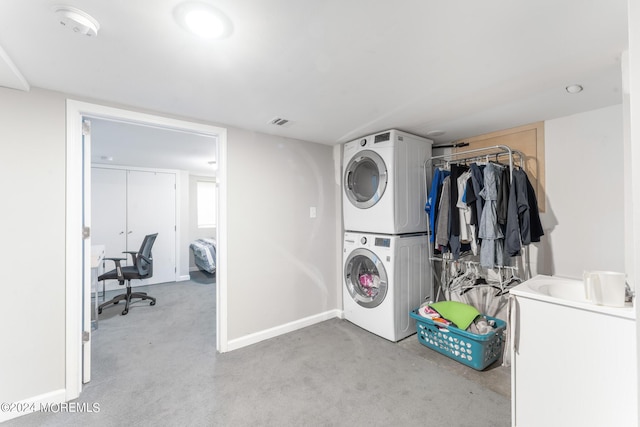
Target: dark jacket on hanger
534,214
518,218
503,196
477,179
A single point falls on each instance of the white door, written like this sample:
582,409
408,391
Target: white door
109,214
129,204
151,208
86,253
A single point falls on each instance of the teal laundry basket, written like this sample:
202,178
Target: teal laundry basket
473,350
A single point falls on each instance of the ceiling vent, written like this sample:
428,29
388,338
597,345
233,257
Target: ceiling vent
278,121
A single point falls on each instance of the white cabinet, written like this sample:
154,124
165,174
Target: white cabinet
128,204
573,363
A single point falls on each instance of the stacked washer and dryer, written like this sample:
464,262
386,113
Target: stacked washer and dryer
386,261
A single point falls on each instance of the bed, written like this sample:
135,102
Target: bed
204,254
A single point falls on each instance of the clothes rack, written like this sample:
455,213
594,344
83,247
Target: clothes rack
507,273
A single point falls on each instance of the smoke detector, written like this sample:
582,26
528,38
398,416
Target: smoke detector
77,21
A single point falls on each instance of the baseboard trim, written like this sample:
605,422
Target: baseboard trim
32,404
282,329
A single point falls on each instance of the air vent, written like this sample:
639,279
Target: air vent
278,121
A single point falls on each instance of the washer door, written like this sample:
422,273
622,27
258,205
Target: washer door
365,278
365,179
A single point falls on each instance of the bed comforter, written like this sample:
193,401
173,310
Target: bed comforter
204,254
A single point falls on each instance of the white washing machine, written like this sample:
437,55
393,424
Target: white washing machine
384,183
385,277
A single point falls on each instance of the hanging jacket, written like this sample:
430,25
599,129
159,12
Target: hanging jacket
431,206
477,180
534,214
518,218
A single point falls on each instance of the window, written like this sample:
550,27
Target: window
206,201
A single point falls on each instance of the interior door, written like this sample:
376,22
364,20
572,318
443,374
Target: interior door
86,252
151,207
109,214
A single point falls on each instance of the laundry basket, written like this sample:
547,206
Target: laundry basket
476,351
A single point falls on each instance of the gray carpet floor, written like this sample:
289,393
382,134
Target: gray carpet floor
158,366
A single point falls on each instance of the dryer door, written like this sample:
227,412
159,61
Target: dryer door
365,278
365,179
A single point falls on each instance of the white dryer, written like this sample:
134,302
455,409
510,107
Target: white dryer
384,183
385,277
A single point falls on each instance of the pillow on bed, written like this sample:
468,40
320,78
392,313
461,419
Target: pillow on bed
459,313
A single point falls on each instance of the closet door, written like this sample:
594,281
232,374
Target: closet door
151,208
109,211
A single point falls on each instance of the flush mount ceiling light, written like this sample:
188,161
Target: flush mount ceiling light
77,21
203,20
435,133
574,88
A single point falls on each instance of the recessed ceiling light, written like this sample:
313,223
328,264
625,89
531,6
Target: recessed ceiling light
212,162
107,158
574,88
78,21
203,20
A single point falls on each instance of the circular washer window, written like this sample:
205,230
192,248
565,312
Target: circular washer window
365,179
365,278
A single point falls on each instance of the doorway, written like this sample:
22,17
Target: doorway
75,262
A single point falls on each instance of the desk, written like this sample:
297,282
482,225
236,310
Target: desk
97,255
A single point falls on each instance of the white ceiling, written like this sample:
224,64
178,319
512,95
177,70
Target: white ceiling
338,69
128,144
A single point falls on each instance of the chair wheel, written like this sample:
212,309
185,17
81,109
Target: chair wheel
124,312
117,302
99,311
152,303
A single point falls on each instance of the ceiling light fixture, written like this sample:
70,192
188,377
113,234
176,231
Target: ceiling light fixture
203,20
435,133
574,88
78,21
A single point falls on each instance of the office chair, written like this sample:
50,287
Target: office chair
142,268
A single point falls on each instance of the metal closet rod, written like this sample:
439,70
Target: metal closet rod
488,151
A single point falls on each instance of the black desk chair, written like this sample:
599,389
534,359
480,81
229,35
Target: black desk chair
142,268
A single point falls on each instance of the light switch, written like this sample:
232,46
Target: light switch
312,212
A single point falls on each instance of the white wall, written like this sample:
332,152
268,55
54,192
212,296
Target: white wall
32,176
281,263
584,221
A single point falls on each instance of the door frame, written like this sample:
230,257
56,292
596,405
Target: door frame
76,111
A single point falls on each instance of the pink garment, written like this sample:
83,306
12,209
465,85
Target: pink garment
369,284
